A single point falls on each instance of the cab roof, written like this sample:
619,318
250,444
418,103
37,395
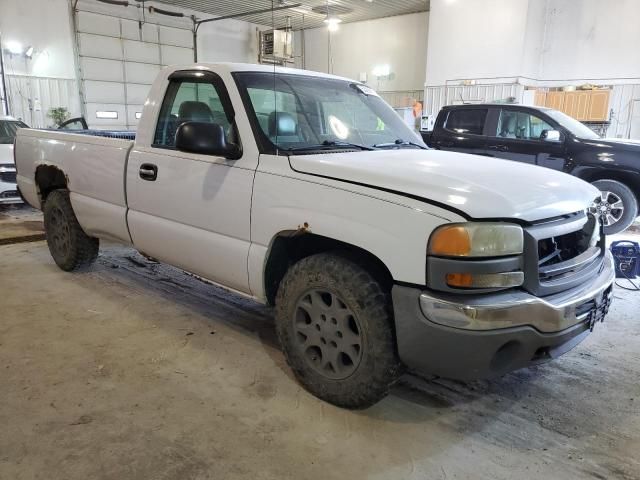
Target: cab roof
229,67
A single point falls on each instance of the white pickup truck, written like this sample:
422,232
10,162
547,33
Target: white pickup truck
306,191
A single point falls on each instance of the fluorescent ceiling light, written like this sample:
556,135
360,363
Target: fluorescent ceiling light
29,52
107,114
138,115
15,48
332,23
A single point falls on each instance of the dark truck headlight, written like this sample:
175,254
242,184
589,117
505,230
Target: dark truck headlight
475,255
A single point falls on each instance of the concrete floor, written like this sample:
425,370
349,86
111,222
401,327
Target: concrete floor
135,370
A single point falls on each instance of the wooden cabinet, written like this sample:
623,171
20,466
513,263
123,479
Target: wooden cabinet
598,109
583,105
555,100
539,98
576,104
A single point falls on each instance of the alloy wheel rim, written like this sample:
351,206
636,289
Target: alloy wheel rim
609,207
328,334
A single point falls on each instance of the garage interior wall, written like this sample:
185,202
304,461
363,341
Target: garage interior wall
118,60
47,79
537,43
357,48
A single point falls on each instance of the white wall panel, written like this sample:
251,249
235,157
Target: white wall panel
176,55
176,36
99,69
131,30
30,98
141,52
99,46
98,24
137,94
105,92
119,60
141,72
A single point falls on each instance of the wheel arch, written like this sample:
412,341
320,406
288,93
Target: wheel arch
626,178
49,178
290,246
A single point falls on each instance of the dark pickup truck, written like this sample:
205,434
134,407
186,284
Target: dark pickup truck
549,138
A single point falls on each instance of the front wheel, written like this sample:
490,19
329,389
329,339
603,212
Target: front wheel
617,206
335,325
70,247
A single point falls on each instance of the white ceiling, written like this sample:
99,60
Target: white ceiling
304,16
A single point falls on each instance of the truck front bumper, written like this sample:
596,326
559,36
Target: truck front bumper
473,337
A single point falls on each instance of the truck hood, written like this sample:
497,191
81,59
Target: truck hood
480,187
6,153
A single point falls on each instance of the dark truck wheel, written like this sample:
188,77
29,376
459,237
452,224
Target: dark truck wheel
335,325
70,247
617,206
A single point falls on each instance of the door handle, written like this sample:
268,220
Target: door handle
148,171
499,148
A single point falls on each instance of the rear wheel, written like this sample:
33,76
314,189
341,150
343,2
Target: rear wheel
70,247
617,206
335,325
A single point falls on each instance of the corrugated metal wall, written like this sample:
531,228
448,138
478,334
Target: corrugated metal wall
401,98
625,102
30,98
437,97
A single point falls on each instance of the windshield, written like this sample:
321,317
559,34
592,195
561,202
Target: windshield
8,130
574,126
299,114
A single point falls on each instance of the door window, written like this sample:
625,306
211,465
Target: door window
521,125
189,101
466,120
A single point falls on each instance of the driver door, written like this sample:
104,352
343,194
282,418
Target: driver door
187,209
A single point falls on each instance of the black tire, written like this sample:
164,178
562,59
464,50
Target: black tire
612,191
70,247
368,370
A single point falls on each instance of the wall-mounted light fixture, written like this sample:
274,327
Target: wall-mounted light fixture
381,70
14,48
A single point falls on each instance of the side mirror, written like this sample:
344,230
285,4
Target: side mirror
206,139
550,135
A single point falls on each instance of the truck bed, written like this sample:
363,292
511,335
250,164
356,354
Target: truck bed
94,167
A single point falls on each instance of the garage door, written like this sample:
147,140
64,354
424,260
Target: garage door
119,59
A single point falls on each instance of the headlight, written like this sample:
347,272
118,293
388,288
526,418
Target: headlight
477,240
475,256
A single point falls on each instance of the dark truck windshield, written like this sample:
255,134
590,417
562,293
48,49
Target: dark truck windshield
8,130
580,130
298,113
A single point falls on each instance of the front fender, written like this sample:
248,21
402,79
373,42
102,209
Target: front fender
397,234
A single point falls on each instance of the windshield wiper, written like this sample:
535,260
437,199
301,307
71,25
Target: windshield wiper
400,143
328,144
